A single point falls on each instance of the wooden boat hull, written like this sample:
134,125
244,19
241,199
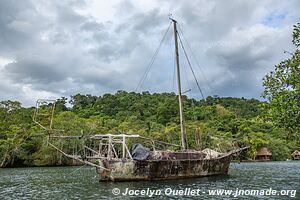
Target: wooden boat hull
130,170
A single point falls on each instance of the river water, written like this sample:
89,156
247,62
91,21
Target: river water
282,178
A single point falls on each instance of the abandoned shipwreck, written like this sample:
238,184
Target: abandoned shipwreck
122,157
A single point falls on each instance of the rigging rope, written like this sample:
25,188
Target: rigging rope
195,58
141,82
188,60
184,67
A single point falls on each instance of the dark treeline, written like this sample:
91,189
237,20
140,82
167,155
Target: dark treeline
217,123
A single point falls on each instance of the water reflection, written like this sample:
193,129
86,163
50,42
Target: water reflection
75,183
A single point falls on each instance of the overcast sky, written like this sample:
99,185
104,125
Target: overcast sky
50,49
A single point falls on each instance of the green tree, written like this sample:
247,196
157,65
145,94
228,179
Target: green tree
79,101
60,104
282,90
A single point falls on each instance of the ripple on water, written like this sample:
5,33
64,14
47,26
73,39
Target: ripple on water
66,183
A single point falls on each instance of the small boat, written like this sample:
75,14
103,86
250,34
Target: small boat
115,161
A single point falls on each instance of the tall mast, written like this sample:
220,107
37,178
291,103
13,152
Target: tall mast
182,126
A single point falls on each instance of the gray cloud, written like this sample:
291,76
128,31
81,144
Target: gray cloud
58,48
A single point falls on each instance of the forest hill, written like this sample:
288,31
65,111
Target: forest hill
218,123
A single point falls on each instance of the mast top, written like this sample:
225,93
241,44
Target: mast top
171,18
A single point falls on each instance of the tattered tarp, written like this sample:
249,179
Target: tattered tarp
139,152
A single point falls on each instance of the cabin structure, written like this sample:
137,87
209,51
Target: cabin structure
296,155
263,154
